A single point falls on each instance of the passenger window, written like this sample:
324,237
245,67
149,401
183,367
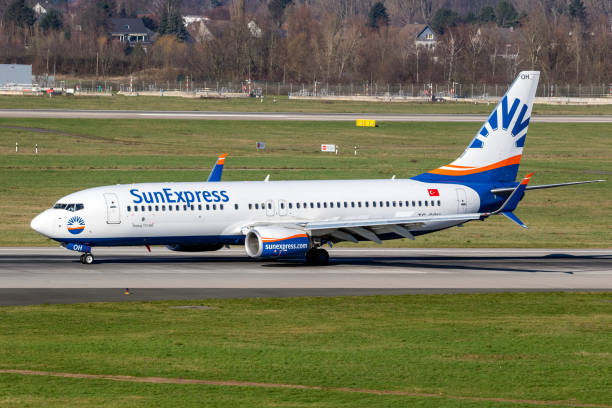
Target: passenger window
311,204
407,203
381,203
214,206
367,204
199,207
192,207
142,208
169,208
399,203
318,204
269,206
235,206
324,205
373,203
221,207
177,207
394,203
345,204
163,208
157,208
135,208
439,204
297,205
129,208
282,205
290,205
414,203
250,206
184,207
353,204
425,203
331,204
419,203
207,207
256,206
359,204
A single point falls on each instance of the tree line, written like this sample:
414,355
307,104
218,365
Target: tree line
340,41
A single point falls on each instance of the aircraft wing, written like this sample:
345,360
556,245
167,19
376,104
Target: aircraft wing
369,228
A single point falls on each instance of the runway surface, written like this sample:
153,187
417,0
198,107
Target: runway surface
125,114
54,275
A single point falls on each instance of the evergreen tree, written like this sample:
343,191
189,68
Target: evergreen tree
577,11
378,15
171,23
277,9
486,15
149,23
51,20
506,14
443,19
20,14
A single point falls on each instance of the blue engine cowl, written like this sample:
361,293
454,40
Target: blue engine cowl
275,242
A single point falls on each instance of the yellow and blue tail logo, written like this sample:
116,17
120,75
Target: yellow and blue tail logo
495,152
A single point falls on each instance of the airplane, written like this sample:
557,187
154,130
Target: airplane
295,219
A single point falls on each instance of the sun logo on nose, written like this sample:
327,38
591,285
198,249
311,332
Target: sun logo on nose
76,225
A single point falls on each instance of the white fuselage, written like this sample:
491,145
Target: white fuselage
201,212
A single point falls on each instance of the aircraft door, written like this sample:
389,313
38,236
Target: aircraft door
270,208
113,216
461,201
282,207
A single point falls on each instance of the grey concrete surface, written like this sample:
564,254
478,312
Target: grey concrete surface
348,268
124,114
54,275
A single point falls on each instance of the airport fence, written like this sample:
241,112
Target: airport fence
442,91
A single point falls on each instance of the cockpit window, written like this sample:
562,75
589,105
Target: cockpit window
68,207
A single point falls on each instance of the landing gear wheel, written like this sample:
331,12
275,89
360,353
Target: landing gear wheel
87,259
322,257
82,258
317,256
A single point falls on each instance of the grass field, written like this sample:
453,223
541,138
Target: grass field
509,349
81,153
282,104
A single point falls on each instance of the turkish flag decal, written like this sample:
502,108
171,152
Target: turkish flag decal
433,192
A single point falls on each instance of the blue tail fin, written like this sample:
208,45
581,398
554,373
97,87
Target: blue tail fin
495,152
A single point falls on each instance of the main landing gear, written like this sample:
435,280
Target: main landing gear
317,256
87,258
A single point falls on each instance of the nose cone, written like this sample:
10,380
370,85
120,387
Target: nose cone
41,224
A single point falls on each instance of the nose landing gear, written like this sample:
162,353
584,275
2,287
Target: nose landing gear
87,258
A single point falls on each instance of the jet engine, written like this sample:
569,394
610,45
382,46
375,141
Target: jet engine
276,242
194,247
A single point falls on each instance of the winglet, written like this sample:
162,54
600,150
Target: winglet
217,171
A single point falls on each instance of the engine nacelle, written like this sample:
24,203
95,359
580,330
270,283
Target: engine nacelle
194,247
275,242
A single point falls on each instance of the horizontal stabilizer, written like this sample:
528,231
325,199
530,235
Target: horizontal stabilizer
514,218
512,201
511,189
